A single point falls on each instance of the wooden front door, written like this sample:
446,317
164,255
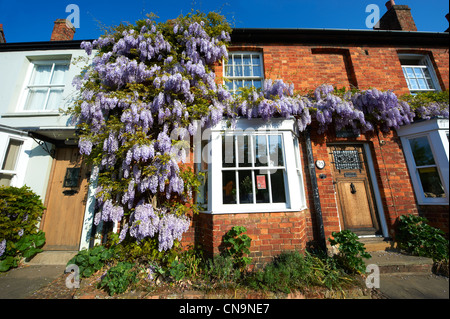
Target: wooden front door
66,201
357,211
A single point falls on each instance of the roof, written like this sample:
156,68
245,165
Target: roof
290,36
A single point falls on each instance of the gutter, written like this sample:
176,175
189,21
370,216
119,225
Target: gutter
315,189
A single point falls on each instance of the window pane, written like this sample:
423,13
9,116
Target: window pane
262,188
421,151
229,85
11,155
431,183
257,84
228,71
247,71
409,72
422,84
229,187
237,70
36,99
256,60
247,60
237,59
228,158
41,74
414,85
245,187
5,179
256,71
54,99
277,183
276,150
418,72
58,74
244,155
260,146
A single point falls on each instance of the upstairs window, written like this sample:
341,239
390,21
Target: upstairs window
419,73
243,69
46,86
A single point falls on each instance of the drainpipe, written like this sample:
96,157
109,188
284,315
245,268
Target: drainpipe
314,186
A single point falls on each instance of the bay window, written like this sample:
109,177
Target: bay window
254,167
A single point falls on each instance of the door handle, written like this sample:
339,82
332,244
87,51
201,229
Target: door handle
352,188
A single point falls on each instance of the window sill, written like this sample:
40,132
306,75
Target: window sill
32,114
252,211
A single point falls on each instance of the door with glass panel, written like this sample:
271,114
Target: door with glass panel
356,204
66,201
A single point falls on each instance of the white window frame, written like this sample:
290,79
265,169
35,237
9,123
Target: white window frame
425,63
435,131
294,182
18,174
27,86
230,62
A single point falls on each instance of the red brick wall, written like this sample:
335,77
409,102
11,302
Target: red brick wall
271,233
308,67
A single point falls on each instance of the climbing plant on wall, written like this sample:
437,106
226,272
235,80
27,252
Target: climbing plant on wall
151,85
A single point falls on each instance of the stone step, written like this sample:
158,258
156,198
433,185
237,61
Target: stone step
52,257
391,262
377,243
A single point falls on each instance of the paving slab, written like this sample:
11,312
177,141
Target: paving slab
414,286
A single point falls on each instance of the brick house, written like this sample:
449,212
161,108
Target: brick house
362,183
299,187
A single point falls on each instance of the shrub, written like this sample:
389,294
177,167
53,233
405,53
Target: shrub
220,271
238,244
119,278
92,260
351,251
417,237
20,211
294,271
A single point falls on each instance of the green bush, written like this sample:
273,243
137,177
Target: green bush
351,251
220,271
417,237
238,244
92,260
20,212
119,278
294,271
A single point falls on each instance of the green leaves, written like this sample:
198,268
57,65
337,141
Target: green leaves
92,260
351,251
238,244
119,278
417,237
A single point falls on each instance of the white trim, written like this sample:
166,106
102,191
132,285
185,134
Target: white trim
294,184
22,159
435,130
89,212
376,191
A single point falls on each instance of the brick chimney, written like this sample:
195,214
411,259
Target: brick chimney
63,30
2,34
397,17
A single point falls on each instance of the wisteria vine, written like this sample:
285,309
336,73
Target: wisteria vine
150,79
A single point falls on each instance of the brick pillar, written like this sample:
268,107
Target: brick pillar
397,17
63,30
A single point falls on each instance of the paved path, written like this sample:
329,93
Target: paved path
18,283
414,286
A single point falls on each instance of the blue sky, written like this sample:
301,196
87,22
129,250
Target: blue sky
32,20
